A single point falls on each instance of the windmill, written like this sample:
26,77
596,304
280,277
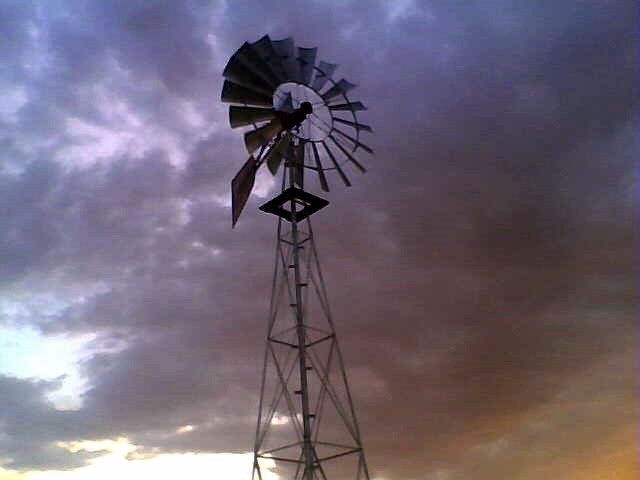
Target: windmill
301,119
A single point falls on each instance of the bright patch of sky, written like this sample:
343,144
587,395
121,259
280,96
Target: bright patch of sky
185,429
26,353
13,99
399,10
123,462
36,59
263,188
121,129
265,182
41,299
191,115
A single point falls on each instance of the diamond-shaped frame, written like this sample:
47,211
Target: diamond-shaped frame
311,204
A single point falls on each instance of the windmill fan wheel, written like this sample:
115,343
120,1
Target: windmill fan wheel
293,110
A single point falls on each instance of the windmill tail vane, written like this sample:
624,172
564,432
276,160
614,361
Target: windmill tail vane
296,113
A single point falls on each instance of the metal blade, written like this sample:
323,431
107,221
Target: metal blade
359,126
323,180
323,73
234,93
287,52
242,116
285,103
275,154
348,155
238,73
306,61
351,106
339,88
335,164
261,136
250,58
298,163
265,49
241,187
354,140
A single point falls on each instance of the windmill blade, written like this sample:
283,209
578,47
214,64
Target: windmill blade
264,48
339,88
323,73
350,106
287,53
238,73
252,60
306,61
336,165
234,93
262,136
241,187
358,126
354,140
348,155
242,116
277,151
297,155
285,103
323,180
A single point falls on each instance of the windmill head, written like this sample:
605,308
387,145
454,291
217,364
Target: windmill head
293,110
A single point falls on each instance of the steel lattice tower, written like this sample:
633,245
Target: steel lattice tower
306,416
307,427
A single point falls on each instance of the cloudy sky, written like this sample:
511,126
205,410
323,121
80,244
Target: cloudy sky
481,273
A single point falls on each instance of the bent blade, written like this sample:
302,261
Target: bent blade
241,187
323,73
323,180
242,116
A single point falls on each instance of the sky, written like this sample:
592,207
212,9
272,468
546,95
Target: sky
481,273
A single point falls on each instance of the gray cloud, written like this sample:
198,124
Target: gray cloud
487,252
31,427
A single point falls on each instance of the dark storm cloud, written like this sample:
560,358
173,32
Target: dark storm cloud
29,231
487,252
31,427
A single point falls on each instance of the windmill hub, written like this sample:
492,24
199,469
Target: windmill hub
290,96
